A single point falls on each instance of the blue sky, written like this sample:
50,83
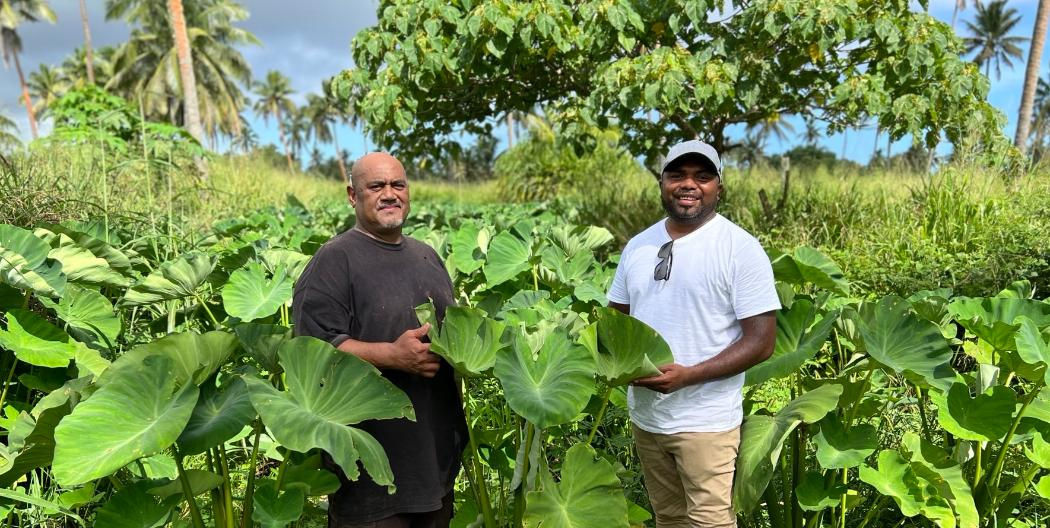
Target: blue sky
312,42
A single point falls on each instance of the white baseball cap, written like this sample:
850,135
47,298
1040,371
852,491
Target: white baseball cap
693,146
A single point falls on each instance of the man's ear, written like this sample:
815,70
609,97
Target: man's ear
351,195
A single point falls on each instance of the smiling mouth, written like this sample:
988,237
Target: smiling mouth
687,200
389,207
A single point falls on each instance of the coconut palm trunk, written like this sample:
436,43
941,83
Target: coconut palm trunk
25,95
338,154
89,59
1031,76
191,114
284,142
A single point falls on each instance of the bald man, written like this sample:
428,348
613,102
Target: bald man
359,293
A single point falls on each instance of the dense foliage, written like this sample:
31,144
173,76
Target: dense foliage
141,373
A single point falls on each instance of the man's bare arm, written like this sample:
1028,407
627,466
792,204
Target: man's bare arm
753,347
408,353
623,308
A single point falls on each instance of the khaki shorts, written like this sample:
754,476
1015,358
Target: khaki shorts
689,476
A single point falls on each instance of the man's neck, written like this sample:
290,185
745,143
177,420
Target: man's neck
676,229
390,238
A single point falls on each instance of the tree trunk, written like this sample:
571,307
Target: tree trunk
89,59
510,130
1031,76
25,94
192,113
955,13
338,154
284,143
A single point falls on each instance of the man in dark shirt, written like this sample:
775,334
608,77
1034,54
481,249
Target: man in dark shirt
359,293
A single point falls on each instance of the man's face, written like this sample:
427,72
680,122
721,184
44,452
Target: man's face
380,198
689,190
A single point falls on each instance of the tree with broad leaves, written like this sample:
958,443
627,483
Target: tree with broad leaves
990,37
432,69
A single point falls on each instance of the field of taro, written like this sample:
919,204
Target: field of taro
153,380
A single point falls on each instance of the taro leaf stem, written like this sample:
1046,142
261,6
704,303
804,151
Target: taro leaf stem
7,382
600,415
519,502
227,490
249,488
211,316
997,471
480,483
187,490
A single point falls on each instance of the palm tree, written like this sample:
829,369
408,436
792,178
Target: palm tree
148,64
247,141
299,132
46,85
959,6
990,37
192,108
74,67
89,59
1031,75
812,133
273,101
774,126
8,134
324,116
12,14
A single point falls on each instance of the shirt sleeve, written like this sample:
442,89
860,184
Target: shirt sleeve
618,289
321,305
754,288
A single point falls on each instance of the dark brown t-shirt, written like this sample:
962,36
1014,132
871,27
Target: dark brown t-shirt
357,287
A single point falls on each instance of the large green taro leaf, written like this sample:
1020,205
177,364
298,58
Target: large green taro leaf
588,496
798,340
468,340
762,439
575,240
904,343
81,266
995,319
137,414
467,253
807,265
115,258
327,391
23,263
1040,451
87,311
31,440
508,256
174,280
838,447
218,416
36,341
627,348
550,387
816,492
273,510
262,342
133,507
923,479
1032,347
986,417
195,357
898,479
250,295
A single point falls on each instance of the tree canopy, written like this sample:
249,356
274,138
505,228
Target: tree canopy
662,70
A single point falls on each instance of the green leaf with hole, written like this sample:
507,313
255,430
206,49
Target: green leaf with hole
798,340
468,340
219,415
589,495
550,387
985,417
36,341
314,414
627,348
508,256
24,263
139,413
762,440
176,279
902,342
838,447
251,295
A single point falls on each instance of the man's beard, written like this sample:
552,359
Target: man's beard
683,216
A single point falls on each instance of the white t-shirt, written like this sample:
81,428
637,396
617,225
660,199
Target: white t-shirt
719,275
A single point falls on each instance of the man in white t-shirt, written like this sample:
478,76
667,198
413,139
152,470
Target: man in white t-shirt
707,288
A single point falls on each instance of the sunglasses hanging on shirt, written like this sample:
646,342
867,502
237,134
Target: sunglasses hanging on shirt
663,268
